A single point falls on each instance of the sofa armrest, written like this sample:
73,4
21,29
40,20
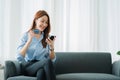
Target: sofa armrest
12,68
116,68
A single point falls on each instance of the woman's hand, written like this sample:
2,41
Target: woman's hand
50,43
30,35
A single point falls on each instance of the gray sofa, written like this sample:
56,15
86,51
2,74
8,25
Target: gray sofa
74,66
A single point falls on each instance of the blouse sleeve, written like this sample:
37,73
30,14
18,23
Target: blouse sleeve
22,42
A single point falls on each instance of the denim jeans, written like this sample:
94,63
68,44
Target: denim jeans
43,69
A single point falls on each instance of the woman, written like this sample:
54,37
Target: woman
36,49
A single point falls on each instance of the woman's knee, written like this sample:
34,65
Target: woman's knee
40,74
49,61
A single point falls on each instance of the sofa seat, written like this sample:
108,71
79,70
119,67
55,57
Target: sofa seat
73,66
22,78
87,76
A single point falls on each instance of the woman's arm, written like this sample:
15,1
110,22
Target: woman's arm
52,53
25,47
51,44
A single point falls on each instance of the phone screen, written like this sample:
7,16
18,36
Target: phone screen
52,37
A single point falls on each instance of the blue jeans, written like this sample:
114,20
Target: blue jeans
43,69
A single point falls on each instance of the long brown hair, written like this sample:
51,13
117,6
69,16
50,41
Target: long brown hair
39,14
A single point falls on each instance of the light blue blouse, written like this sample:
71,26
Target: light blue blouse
35,51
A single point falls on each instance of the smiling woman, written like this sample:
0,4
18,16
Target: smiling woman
15,19
34,51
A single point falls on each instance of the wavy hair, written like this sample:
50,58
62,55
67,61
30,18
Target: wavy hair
39,14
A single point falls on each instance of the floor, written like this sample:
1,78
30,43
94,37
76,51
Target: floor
1,74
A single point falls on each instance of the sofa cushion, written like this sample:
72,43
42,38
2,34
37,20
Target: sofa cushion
22,78
83,62
86,76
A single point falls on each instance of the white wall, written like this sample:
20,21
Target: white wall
80,25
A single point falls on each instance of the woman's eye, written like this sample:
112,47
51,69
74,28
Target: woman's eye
42,21
46,22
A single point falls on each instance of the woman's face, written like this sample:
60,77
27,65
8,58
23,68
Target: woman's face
41,23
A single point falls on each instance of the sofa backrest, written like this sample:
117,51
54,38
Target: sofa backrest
83,62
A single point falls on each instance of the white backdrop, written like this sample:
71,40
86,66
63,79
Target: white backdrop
80,25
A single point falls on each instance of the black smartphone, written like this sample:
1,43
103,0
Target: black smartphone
36,31
52,37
